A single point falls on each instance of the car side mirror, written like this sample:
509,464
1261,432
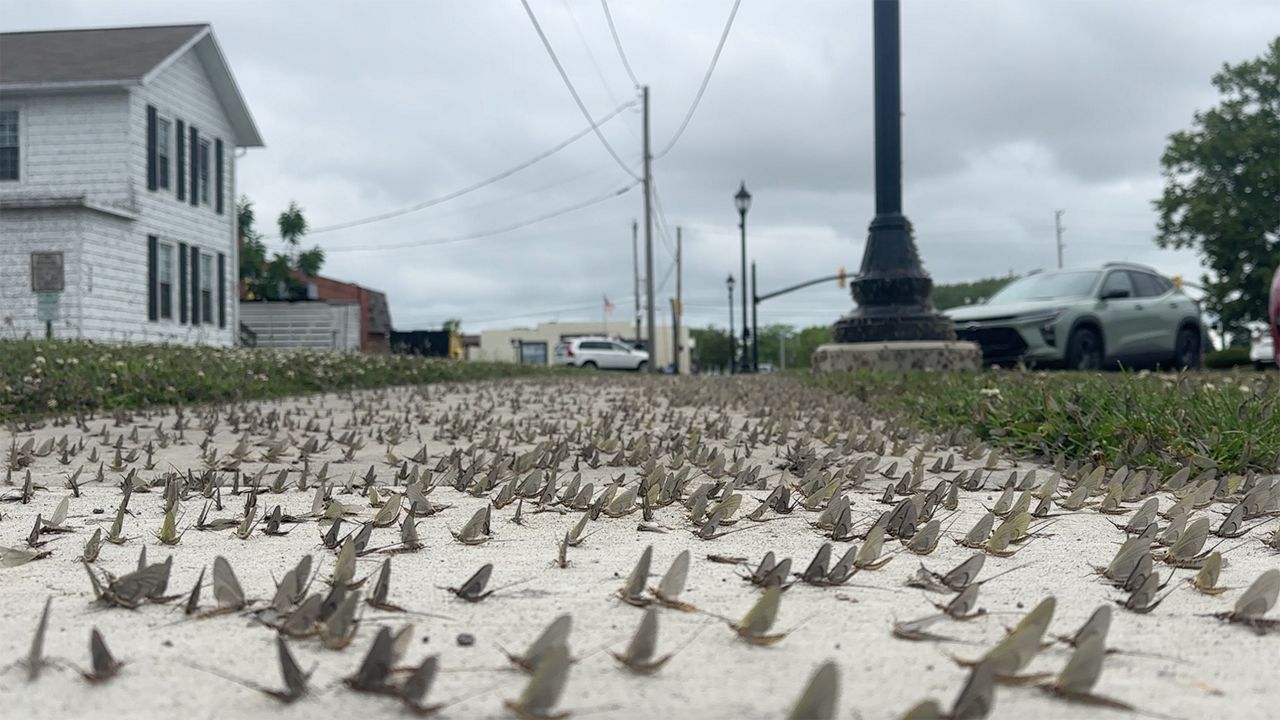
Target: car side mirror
1115,294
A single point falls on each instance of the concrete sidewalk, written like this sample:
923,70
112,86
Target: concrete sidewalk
1175,661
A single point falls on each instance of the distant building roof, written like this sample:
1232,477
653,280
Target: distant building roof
119,57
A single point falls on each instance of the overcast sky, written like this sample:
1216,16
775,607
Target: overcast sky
1012,109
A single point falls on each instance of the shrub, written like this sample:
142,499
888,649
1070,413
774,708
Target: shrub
54,377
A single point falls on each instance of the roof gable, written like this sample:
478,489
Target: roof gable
105,57
95,55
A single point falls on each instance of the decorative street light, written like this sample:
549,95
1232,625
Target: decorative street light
742,201
728,282
892,288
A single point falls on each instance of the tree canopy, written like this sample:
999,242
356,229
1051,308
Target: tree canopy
275,278
1222,189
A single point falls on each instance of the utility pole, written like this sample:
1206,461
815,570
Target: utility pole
679,306
1057,228
635,271
652,344
755,329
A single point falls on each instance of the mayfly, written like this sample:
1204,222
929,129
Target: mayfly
374,671
639,656
1081,673
554,635
35,660
104,665
473,589
1256,602
477,529
540,696
632,591
672,584
754,626
1016,650
820,696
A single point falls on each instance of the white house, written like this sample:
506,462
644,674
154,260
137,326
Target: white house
117,163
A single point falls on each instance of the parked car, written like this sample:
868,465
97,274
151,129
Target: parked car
1262,352
600,353
1086,319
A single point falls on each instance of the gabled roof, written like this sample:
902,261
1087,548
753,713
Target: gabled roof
119,57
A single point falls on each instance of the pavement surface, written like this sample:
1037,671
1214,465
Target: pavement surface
1174,661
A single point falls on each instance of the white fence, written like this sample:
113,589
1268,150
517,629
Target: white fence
311,325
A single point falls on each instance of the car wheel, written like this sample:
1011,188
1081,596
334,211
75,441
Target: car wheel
644,365
1259,365
588,365
1084,350
1187,350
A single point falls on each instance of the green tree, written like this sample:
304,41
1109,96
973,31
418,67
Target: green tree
800,347
713,346
957,294
274,278
452,325
1222,189
253,252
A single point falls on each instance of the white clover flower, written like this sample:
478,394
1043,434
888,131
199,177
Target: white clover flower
990,392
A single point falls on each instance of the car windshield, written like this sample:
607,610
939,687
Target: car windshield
1046,286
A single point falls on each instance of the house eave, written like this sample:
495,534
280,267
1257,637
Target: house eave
67,86
65,202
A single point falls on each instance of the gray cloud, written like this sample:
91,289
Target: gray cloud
1011,109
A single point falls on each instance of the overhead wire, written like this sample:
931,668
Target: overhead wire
488,233
617,42
423,205
706,79
577,29
573,91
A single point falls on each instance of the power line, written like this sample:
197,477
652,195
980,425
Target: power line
577,29
706,79
545,311
488,233
617,42
470,188
572,91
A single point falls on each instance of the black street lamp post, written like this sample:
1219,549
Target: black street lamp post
743,202
892,288
728,282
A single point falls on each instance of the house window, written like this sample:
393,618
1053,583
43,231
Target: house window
206,287
162,153
164,280
204,171
8,144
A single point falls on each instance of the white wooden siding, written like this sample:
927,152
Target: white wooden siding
183,92
72,144
94,144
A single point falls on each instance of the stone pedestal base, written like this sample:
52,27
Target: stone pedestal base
897,356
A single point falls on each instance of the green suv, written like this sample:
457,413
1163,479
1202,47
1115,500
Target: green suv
1086,319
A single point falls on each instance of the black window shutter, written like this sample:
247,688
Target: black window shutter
222,286
151,149
195,166
182,160
182,282
153,250
217,173
195,285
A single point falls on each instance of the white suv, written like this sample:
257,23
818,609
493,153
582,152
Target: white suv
601,353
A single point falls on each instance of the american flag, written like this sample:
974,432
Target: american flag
608,306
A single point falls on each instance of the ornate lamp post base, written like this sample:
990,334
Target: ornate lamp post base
892,291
